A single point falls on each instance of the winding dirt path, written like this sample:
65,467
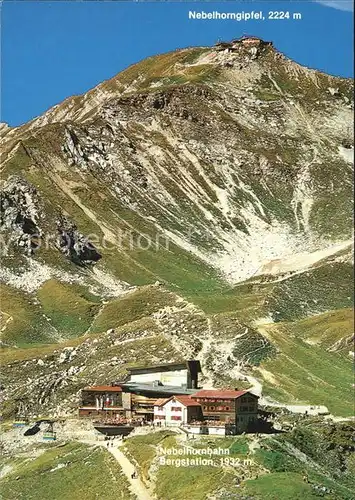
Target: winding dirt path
137,486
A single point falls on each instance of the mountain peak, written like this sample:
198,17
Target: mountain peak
223,173
228,142
247,62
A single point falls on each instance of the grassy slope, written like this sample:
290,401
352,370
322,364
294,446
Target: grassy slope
319,289
327,460
141,449
21,319
300,371
303,369
69,311
134,306
275,471
57,312
327,329
88,473
308,373
177,483
280,485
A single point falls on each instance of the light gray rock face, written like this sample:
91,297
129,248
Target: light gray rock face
19,215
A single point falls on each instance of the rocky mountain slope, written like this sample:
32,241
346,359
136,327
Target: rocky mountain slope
225,174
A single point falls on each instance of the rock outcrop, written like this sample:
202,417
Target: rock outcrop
74,245
19,214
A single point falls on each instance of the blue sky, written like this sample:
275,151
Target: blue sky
51,50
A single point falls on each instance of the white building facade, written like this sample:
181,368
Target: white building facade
176,411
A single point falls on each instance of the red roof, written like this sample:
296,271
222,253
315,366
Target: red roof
186,401
104,388
219,394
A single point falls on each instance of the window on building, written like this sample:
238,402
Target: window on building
251,408
205,407
227,408
175,417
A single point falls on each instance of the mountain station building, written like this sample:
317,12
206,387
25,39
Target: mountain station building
168,395
135,397
222,412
